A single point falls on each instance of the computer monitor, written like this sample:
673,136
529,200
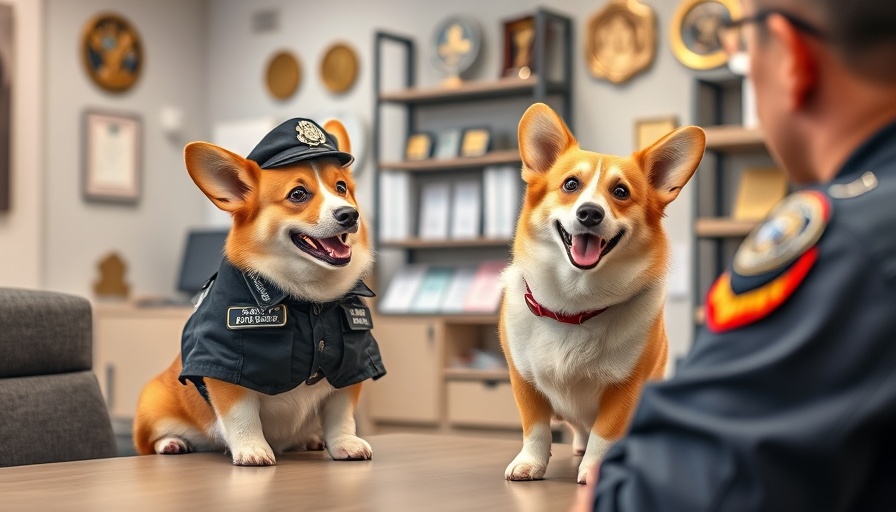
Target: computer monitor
202,256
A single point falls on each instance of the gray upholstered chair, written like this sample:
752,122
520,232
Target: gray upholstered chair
51,409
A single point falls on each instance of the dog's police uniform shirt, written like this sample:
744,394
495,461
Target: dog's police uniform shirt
247,331
794,409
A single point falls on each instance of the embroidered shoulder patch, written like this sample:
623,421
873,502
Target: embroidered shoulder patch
726,310
791,228
770,264
247,317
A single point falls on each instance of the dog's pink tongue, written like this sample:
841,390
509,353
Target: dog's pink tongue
586,249
335,247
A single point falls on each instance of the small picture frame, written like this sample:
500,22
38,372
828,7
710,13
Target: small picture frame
418,147
475,142
694,31
648,131
112,157
448,144
519,47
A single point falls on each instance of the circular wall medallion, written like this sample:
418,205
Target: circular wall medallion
694,32
621,40
339,68
283,75
112,52
455,45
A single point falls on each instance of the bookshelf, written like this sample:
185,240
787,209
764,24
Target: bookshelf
431,347
730,148
511,156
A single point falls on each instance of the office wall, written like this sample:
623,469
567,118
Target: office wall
604,112
149,235
21,226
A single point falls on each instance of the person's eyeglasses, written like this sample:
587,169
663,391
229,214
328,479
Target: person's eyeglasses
731,36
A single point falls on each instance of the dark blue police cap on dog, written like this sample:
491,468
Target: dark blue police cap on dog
294,141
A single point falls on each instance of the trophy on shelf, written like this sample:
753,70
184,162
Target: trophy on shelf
455,46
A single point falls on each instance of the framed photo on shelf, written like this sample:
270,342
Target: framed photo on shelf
694,31
418,147
519,47
475,142
648,131
112,157
448,144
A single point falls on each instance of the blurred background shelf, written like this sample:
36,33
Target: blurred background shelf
734,139
469,91
509,156
723,227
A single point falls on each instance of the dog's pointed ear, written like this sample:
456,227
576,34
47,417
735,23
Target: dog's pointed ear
543,137
335,128
671,161
225,177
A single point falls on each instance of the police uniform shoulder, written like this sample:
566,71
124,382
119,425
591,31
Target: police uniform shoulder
771,262
866,212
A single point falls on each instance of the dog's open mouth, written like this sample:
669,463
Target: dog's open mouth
586,250
332,250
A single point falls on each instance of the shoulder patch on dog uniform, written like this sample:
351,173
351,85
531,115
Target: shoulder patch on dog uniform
770,264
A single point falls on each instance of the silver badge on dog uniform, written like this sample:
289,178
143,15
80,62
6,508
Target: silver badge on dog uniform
247,317
310,134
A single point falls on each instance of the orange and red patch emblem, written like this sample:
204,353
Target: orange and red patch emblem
756,285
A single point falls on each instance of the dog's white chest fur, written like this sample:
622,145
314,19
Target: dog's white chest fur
572,364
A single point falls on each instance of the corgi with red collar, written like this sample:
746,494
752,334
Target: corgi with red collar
276,351
581,322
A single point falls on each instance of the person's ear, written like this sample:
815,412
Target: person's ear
799,66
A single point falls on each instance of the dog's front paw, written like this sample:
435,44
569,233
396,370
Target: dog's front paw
259,454
585,474
349,448
525,467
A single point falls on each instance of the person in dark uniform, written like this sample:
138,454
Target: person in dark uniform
787,400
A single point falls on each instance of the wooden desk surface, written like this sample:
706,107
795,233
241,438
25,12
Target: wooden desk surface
408,472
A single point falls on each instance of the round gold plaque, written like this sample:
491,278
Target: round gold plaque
112,52
694,31
339,68
283,75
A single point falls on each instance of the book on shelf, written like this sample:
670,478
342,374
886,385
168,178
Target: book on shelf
395,206
484,295
435,206
432,289
466,210
758,192
457,291
399,296
502,193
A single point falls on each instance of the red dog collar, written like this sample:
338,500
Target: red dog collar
539,310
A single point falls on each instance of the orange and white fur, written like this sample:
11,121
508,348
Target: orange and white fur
252,426
589,237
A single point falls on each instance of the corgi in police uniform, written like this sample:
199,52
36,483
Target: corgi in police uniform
280,342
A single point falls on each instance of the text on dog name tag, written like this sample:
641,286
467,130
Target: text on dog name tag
246,317
358,317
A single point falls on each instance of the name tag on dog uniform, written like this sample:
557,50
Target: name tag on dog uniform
358,317
248,317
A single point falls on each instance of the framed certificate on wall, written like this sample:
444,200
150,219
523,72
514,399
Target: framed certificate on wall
112,157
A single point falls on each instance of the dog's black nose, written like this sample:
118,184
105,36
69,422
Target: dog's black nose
346,216
590,214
